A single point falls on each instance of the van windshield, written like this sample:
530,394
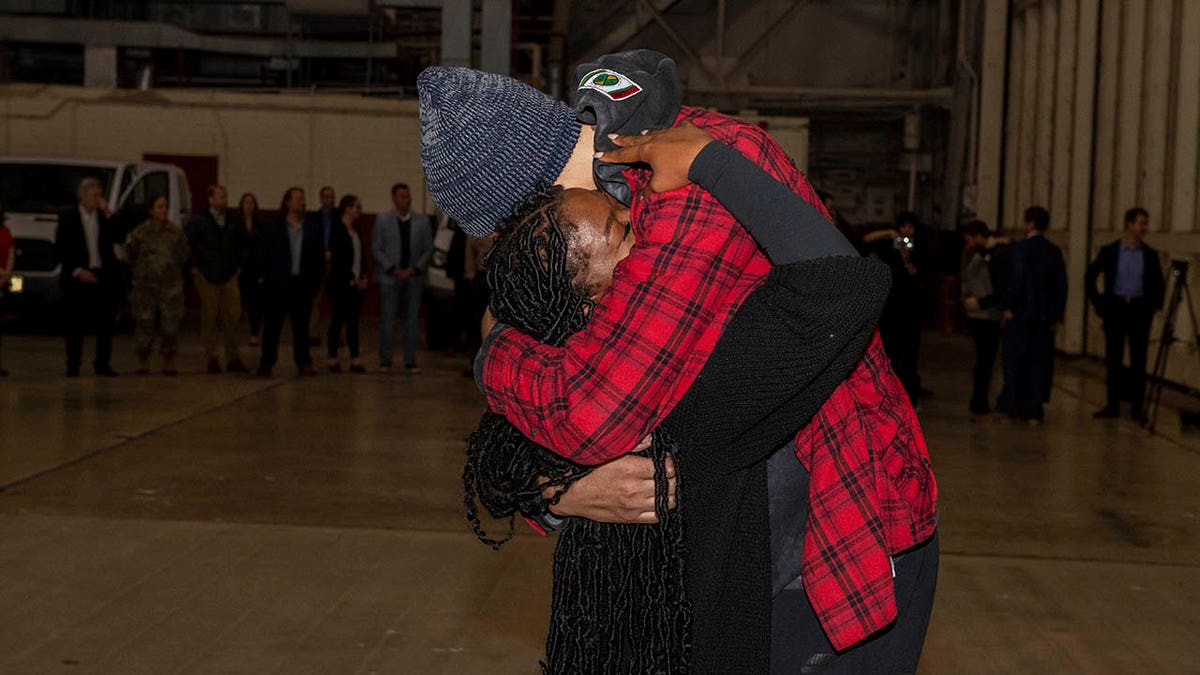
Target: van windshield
46,188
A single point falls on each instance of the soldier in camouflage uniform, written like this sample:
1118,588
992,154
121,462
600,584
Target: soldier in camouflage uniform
157,250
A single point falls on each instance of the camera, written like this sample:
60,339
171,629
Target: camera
903,243
1180,267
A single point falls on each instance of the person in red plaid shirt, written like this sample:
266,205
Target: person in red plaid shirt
871,493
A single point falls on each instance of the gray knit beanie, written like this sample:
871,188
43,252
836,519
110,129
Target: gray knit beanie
486,141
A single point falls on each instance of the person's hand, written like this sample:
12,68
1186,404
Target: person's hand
669,152
404,274
971,303
621,491
87,277
1008,315
487,323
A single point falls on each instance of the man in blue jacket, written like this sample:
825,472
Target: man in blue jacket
1033,308
402,243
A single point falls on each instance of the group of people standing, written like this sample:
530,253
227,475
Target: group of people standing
268,271
1015,294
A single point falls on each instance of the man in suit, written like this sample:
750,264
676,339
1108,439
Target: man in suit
217,238
291,266
1133,292
91,277
402,243
1033,308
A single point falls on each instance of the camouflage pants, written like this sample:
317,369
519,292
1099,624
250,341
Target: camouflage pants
157,312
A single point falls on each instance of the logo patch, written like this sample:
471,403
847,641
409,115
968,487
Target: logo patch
610,83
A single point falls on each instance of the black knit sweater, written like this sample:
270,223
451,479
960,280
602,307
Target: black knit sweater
783,353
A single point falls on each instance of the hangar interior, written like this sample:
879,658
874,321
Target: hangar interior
225,525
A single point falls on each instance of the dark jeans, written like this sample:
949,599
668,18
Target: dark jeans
393,294
1127,322
799,645
296,305
986,335
347,305
91,308
900,331
1028,357
252,301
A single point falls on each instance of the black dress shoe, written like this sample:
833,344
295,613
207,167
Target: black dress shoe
1108,412
105,371
263,371
1141,418
236,367
72,372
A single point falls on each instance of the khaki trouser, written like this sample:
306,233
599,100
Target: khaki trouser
219,303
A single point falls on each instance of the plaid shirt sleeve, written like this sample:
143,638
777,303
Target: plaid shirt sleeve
595,397
872,495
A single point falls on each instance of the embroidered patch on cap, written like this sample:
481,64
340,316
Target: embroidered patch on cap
610,83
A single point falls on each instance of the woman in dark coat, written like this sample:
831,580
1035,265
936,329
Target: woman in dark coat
252,304
347,282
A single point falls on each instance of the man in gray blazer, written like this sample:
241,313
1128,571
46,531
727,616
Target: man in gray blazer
402,243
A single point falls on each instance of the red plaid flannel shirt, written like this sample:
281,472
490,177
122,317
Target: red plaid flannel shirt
594,398
871,496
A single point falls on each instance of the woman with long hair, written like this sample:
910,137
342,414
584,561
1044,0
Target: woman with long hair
248,278
347,282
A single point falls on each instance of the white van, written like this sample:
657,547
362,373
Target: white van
34,190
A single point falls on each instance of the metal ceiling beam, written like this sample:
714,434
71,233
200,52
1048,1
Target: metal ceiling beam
744,58
675,37
628,29
97,33
941,96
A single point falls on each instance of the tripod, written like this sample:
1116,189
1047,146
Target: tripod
1180,292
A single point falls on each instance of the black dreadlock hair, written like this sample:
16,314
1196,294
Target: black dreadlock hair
619,602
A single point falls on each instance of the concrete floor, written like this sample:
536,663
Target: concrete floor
224,524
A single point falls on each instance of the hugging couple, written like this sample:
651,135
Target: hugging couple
684,378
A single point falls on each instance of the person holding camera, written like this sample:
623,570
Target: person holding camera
1133,291
900,325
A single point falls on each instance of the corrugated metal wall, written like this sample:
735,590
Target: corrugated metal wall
1103,114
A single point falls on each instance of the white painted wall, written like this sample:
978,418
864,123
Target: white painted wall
265,143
